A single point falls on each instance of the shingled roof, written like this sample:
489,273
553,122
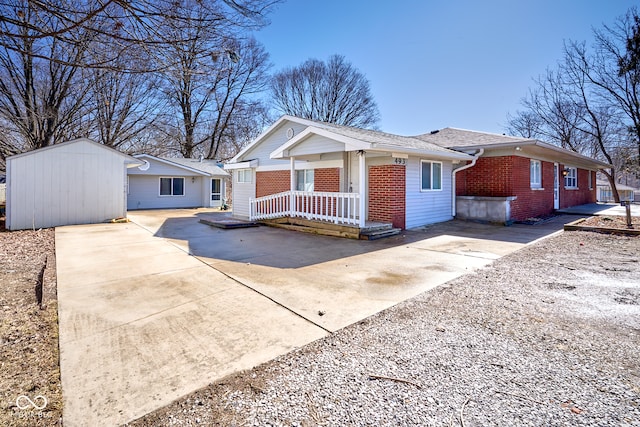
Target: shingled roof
461,138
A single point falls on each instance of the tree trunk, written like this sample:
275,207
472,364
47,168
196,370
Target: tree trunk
611,177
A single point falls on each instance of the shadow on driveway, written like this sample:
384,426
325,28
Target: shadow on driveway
279,248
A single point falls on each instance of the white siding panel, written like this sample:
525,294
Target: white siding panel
144,193
269,145
427,207
316,144
76,183
242,192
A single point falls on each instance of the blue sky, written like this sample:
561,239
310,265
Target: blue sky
438,63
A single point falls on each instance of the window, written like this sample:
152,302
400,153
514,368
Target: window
431,175
590,181
172,186
244,175
571,178
304,180
535,174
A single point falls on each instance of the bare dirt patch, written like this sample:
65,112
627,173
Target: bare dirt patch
611,221
30,393
545,336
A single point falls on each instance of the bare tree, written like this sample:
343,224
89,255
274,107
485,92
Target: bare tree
334,92
591,103
123,24
40,98
121,105
213,74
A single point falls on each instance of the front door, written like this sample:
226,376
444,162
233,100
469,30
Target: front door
216,195
556,186
354,174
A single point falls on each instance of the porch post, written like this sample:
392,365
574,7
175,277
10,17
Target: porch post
292,180
362,173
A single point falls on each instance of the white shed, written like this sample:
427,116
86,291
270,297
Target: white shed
76,182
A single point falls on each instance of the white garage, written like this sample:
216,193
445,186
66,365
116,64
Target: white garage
76,182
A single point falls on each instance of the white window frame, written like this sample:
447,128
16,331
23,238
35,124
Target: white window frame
431,171
590,179
172,178
571,179
305,180
535,174
244,176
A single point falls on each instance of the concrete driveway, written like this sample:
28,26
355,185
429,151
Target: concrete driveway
154,309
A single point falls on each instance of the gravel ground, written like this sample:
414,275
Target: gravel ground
546,336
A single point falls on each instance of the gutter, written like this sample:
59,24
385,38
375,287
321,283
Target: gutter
476,156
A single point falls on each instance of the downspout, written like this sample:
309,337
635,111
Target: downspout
476,156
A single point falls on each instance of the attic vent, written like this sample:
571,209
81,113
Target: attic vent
290,133
433,132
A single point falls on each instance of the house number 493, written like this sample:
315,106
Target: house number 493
399,161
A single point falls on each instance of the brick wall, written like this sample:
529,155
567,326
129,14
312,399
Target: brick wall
531,203
581,195
327,179
387,194
509,176
272,182
491,176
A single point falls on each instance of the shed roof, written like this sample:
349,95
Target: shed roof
128,160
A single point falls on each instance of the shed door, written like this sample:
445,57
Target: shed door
216,195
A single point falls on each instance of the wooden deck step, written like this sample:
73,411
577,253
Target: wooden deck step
379,234
372,231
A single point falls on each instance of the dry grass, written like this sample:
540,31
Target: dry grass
29,359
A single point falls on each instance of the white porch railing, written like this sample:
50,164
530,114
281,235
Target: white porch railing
340,208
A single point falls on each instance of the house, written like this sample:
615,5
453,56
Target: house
301,168
605,194
75,182
515,179
175,183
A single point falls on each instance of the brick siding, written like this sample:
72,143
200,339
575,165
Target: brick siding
509,176
387,194
272,182
327,179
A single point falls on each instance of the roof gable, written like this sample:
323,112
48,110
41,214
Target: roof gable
128,160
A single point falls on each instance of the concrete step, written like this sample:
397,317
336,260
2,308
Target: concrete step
379,234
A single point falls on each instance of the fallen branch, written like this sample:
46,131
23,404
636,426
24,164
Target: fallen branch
461,412
400,380
520,396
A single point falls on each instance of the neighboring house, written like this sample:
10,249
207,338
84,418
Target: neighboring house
515,179
175,183
344,175
606,195
76,182
321,171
